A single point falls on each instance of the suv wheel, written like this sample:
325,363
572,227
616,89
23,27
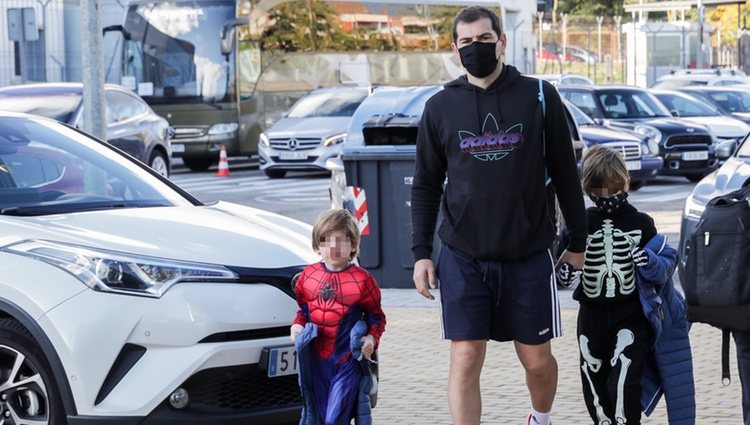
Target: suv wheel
158,162
29,393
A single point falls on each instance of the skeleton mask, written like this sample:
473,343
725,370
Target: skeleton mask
612,204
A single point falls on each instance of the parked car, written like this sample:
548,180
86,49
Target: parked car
729,177
562,79
310,132
131,124
641,154
688,80
125,300
733,101
580,54
724,128
686,148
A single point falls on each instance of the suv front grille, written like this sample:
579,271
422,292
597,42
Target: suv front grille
294,144
629,150
188,132
686,140
240,388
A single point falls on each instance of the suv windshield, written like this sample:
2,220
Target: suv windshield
687,107
48,168
328,104
172,49
630,104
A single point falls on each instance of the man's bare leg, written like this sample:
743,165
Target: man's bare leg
541,373
464,398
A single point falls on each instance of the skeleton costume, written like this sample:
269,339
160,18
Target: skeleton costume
613,333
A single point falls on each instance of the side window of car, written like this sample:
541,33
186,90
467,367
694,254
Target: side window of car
584,101
123,106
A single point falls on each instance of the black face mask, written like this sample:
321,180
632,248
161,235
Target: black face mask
611,204
479,58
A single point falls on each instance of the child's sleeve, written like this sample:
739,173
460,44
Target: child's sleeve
303,313
660,266
371,305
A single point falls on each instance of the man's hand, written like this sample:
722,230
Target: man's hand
295,330
424,275
575,259
368,345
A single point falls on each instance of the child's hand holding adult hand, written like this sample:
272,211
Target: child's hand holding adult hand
368,346
295,330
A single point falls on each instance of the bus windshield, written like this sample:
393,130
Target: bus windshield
172,51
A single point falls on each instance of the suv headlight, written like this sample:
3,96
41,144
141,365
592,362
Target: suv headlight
693,207
110,271
223,128
651,132
334,140
263,140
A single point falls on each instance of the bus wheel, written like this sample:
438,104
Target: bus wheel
198,164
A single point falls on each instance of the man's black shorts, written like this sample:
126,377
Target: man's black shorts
502,301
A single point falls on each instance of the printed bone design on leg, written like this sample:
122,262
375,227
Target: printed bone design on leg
592,363
625,337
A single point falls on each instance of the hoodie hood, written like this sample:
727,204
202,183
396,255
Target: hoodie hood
507,78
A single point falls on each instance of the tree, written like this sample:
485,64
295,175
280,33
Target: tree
591,7
309,25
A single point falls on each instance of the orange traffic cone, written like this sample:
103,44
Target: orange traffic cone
223,163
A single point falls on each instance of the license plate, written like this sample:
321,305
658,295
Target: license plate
633,165
282,361
695,156
178,147
293,155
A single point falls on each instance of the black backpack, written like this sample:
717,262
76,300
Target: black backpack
716,278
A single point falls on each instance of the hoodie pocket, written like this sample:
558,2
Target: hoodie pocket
495,226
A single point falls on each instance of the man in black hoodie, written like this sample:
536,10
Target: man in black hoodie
500,143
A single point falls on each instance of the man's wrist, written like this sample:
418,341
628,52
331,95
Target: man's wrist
422,253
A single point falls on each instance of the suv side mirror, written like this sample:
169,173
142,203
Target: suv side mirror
724,150
674,113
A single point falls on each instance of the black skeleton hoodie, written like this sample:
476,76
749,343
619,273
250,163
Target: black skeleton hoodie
608,270
490,145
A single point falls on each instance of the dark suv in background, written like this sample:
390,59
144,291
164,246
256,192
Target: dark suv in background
686,148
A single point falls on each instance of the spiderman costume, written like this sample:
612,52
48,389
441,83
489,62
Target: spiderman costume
335,301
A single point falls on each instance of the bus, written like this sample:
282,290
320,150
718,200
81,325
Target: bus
202,65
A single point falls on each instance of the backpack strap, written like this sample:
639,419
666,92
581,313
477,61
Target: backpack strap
547,180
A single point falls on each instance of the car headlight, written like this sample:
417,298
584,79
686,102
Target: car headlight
693,207
223,128
651,132
263,140
110,271
335,139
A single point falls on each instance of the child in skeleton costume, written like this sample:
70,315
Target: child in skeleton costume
613,332
337,328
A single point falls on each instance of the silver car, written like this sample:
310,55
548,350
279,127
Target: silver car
311,132
729,177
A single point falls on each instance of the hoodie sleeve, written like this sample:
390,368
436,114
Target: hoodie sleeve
427,187
563,170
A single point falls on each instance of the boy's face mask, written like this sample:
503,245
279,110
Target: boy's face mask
611,204
479,58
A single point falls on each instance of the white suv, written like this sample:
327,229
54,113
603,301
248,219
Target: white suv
125,300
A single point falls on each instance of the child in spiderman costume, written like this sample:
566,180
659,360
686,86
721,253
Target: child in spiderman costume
337,327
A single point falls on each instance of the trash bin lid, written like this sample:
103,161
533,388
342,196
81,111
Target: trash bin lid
394,129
